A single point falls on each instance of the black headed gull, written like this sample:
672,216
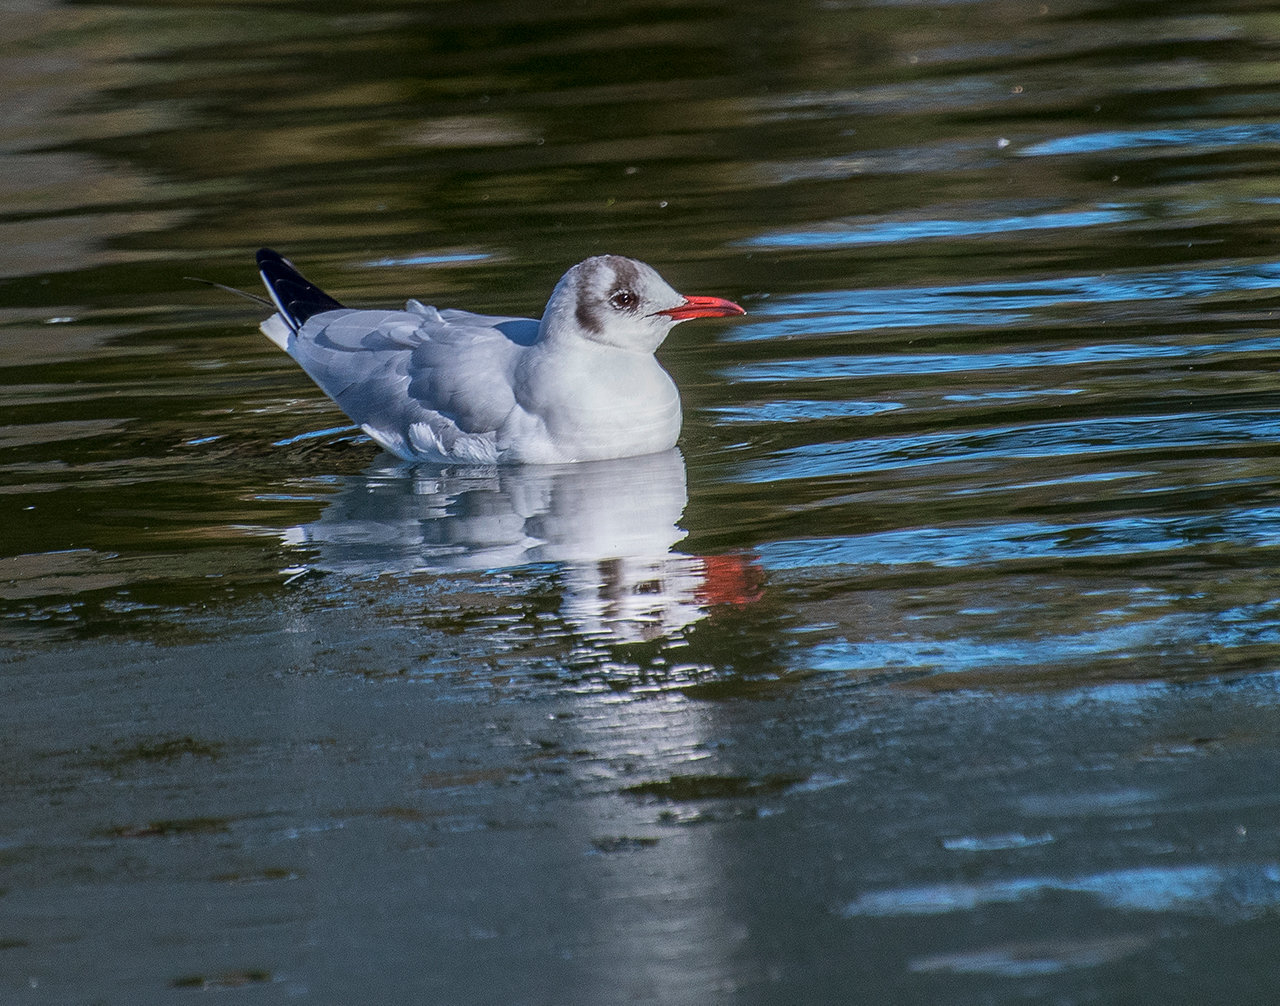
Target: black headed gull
450,386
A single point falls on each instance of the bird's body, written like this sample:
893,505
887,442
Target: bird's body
451,386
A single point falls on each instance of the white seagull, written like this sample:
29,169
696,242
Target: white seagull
451,386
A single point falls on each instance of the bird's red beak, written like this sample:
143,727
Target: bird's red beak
702,307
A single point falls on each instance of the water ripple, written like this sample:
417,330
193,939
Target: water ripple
1184,632
989,303
1072,437
782,411
1234,892
1197,138
1008,541
923,230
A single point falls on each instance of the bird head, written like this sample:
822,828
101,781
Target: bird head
622,303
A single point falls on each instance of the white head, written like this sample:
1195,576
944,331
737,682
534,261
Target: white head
623,303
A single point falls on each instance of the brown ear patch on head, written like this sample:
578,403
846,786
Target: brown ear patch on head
592,308
588,316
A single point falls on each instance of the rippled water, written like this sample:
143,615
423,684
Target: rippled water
939,662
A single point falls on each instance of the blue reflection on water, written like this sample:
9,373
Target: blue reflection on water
1130,634
1234,135
1073,437
439,259
799,410
984,544
958,656
1011,395
996,843
988,303
315,435
843,367
1232,892
918,230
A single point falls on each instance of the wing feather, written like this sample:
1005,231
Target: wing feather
422,382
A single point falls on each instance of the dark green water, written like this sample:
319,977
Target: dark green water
939,665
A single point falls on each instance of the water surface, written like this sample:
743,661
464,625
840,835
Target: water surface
937,664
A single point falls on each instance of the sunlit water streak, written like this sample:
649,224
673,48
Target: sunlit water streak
1005,541
1200,140
1230,892
1008,302
924,230
1069,439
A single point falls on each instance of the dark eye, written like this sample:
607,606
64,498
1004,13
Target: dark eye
623,300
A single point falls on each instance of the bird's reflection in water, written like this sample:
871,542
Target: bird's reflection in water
610,527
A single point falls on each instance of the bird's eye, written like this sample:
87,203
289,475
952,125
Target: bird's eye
623,300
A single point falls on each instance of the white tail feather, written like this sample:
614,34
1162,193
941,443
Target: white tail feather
277,330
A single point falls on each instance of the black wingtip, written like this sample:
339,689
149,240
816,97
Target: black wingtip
296,298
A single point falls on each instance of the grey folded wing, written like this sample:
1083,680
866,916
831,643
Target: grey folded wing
423,383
